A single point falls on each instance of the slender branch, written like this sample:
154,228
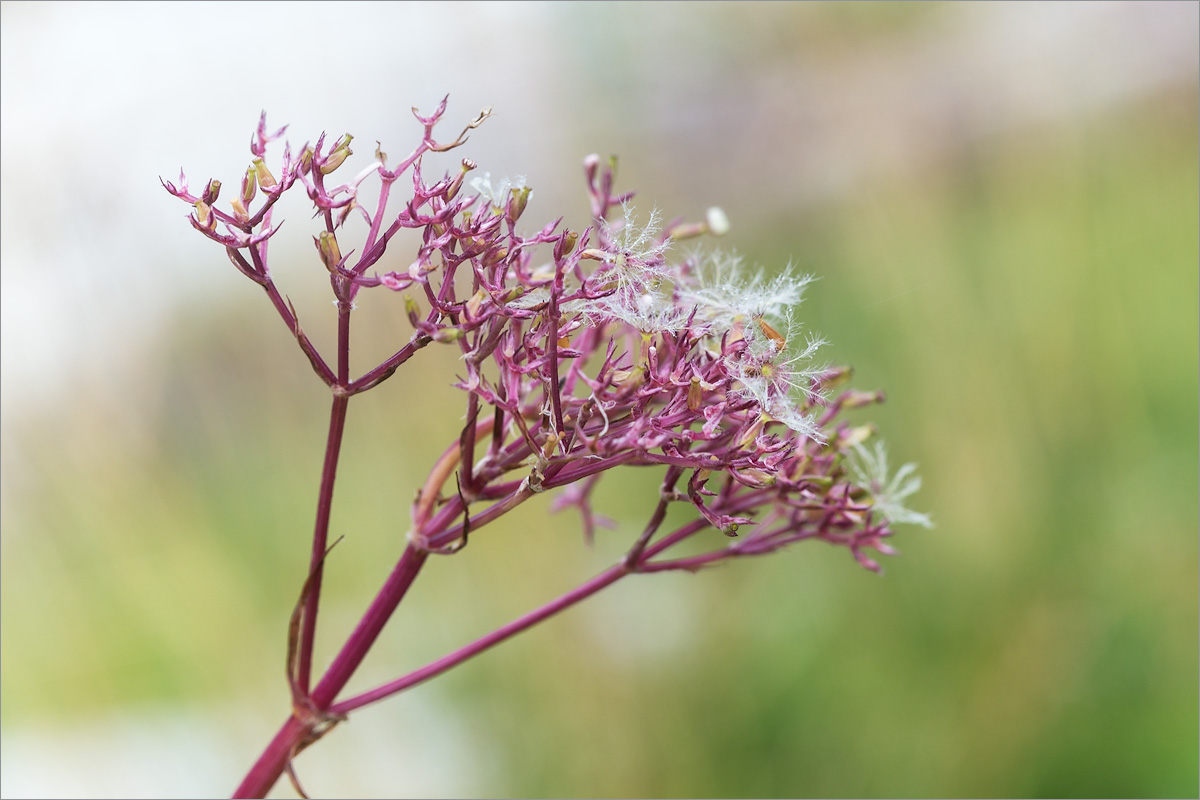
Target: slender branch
438,476
381,373
343,339
633,562
581,592
333,447
467,443
554,390
287,313
633,557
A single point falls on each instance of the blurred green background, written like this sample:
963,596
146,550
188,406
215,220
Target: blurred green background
1001,204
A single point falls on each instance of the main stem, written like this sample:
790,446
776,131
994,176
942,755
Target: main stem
333,448
320,541
274,759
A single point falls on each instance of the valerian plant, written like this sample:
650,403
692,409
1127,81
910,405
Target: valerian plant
581,352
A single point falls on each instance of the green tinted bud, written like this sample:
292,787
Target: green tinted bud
341,151
331,254
759,479
565,244
694,396
239,210
516,205
265,179
413,309
203,213
212,191
491,257
249,186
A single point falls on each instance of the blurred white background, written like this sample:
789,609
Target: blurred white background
99,99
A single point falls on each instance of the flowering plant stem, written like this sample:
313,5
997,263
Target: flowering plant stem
607,356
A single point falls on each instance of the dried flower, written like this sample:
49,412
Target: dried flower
869,467
581,352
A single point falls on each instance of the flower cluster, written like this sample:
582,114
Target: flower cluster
588,350
581,351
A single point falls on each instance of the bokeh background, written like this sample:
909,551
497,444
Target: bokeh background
1001,203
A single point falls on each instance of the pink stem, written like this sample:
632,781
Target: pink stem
581,592
274,759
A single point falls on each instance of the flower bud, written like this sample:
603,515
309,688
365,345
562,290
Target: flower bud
751,433
331,254
493,256
755,478
239,210
445,335
265,179
341,151
835,377
203,213
211,192
413,309
456,184
694,395
565,245
857,399
306,159
516,203
249,186
476,301
687,231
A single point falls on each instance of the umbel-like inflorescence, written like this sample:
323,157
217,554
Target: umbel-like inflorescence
581,351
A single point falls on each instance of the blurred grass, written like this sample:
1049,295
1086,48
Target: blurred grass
1030,308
